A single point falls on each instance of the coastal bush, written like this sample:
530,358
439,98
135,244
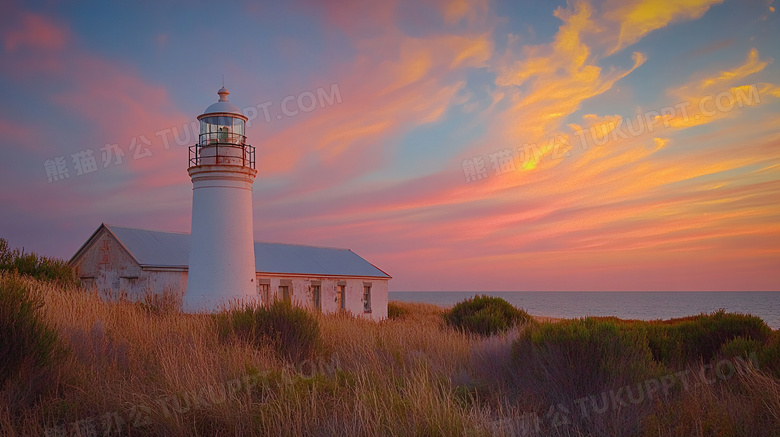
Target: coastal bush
765,356
26,342
741,347
679,342
584,359
39,267
769,355
292,331
485,315
583,355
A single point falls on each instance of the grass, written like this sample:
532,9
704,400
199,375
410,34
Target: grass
138,371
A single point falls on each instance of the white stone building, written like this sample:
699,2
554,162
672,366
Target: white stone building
118,260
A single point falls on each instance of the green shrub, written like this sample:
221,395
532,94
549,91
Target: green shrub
585,359
680,342
485,315
291,330
764,355
741,347
583,355
769,356
26,343
39,267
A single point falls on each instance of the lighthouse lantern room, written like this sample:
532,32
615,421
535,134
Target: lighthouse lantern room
222,138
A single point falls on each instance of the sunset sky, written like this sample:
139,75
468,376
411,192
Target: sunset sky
458,145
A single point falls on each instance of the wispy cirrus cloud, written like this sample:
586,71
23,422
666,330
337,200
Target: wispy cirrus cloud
395,82
710,98
545,84
637,18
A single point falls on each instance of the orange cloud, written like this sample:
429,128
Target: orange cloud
753,64
640,17
557,78
721,95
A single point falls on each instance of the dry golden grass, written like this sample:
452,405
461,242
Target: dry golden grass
165,373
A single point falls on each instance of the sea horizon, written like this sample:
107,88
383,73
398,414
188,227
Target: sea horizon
639,305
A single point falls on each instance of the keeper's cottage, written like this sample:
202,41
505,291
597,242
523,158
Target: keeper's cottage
219,263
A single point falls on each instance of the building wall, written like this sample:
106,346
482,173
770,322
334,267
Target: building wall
107,267
164,281
301,293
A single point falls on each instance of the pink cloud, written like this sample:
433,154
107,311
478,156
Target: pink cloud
394,83
36,32
117,106
128,112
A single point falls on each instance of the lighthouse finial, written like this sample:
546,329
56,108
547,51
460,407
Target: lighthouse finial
223,93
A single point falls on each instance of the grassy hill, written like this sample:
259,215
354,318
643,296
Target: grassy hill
91,367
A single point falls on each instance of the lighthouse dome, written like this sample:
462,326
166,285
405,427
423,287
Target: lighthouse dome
222,138
223,106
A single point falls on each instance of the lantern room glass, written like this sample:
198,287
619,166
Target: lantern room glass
222,130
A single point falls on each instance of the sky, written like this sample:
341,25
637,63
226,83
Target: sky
457,145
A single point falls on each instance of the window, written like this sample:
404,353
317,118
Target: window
315,297
341,292
265,293
284,291
221,129
238,126
366,298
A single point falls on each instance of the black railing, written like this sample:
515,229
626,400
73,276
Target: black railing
222,153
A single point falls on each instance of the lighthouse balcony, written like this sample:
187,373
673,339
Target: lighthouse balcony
222,149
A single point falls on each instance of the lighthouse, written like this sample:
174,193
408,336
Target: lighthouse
222,168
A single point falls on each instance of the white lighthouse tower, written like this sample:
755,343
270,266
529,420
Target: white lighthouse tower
222,169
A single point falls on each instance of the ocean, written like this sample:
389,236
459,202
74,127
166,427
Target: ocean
642,305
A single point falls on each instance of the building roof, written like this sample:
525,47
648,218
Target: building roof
159,249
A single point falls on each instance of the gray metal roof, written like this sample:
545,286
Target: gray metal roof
154,248
172,250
